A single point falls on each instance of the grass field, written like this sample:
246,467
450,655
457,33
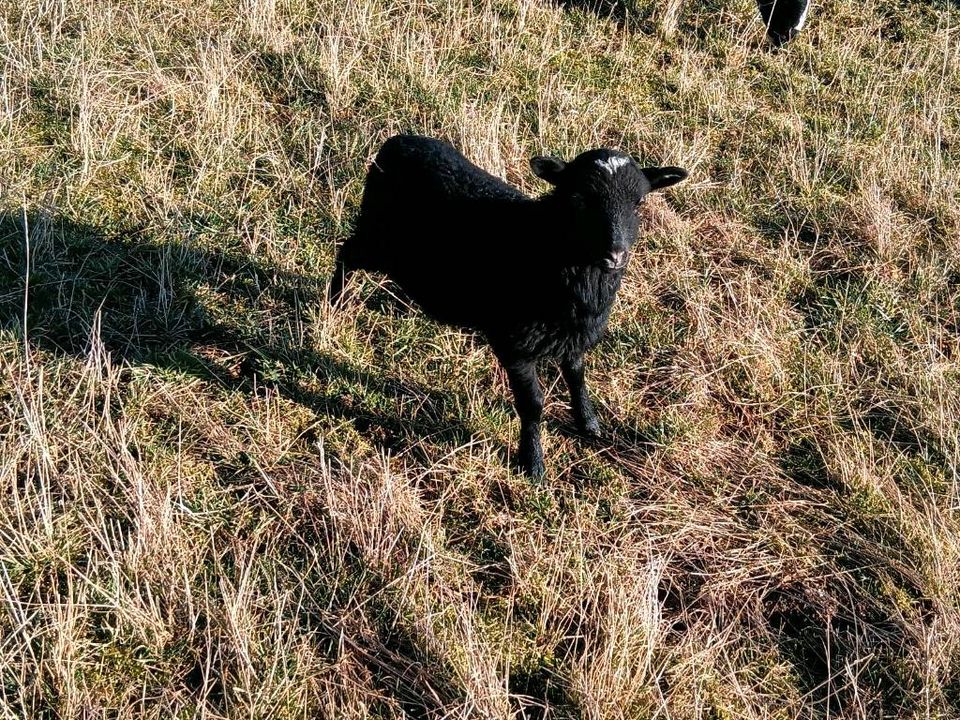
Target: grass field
220,500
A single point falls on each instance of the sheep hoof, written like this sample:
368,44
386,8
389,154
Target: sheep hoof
591,429
532,467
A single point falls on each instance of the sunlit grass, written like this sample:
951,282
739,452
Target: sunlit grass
221,499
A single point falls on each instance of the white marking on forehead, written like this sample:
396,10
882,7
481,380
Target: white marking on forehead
614,163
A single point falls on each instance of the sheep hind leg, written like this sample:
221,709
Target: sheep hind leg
583,412
528,399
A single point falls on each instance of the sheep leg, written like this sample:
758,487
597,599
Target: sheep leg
528,399
583,413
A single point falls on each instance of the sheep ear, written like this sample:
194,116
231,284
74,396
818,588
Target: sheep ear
663,177
547,168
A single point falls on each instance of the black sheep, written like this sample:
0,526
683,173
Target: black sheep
537,277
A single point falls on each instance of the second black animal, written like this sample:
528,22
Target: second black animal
537,277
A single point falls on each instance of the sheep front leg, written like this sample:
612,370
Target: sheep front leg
528,399
583,413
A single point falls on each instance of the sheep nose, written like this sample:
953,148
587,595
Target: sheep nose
616,259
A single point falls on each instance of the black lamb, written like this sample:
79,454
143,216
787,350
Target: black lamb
537,277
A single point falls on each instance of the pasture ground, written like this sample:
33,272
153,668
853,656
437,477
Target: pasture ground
219,500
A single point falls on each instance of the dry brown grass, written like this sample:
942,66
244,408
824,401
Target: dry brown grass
219,500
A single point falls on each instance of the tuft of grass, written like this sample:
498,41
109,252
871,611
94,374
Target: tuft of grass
219,499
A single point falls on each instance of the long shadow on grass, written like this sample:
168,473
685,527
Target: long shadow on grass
637,14
642,15
211,314
617,10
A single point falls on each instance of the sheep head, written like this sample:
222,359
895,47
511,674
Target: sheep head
600,192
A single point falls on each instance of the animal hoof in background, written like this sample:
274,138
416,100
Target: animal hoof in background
783,18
